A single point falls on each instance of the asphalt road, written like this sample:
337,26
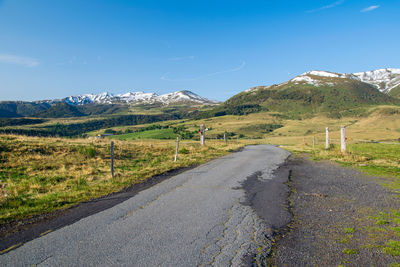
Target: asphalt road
202,217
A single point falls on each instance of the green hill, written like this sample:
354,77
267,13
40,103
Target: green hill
21,109
60,110
310,94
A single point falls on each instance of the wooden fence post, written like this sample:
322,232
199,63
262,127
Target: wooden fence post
202,134
343,139
313,141
327,138
177,149
225,138
112,159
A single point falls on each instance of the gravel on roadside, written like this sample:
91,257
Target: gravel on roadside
333,225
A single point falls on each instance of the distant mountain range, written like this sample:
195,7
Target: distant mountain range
133,98
96,104
311,92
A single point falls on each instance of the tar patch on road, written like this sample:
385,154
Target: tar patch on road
269,197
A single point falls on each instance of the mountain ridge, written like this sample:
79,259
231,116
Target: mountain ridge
103,104
137,97
313,92
383,79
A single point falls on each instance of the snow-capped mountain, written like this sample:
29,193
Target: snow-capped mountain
134,98
383,79
87,99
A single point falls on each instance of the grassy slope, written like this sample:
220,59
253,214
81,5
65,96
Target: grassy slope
151,134
61,110
395,92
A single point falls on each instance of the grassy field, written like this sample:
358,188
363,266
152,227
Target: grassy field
45,174
151,134
376,159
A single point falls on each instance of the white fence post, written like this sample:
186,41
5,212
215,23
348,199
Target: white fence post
202,134
343,139
327,138
112,159
177,149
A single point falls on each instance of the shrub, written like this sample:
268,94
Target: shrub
183,151
89,152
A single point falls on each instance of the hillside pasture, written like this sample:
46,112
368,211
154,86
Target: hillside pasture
151,134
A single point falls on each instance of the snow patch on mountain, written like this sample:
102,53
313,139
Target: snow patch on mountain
305,79
383,79
136,97
88,98
309,77
323,73
182,96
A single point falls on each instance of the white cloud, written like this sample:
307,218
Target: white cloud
165,76
18,60
181,58
335,4
368,9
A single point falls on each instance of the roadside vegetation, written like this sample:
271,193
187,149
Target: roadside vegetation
39,175
378,159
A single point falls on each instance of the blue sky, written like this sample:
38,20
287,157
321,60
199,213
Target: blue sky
215,48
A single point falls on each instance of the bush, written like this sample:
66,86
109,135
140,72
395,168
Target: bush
109,131
89,152
183,151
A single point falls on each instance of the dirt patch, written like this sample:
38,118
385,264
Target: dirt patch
337,215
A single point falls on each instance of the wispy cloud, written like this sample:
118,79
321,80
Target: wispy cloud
181,58
18,60
368,9
74,60
166,78
335,4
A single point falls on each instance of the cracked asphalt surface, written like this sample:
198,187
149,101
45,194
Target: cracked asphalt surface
201,217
